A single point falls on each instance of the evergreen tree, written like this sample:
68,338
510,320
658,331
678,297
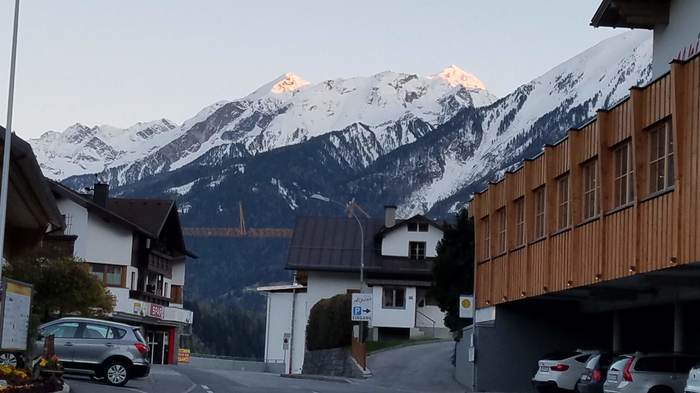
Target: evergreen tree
453,271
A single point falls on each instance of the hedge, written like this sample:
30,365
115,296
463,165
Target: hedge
329,324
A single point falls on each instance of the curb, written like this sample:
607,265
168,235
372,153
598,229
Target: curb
324,378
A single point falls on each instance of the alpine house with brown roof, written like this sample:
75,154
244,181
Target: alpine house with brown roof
136,247
325,255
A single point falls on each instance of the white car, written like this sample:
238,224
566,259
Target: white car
650,373
692,385
560,370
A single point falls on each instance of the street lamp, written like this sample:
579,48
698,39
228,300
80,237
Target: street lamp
5,176
350,208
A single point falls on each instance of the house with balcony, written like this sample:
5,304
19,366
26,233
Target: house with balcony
325,256
137,249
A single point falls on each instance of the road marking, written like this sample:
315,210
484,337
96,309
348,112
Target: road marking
206,388
191,388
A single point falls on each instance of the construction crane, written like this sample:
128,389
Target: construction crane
241,231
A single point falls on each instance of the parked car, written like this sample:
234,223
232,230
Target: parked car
593,377
560,370
692,384
650,373
114,352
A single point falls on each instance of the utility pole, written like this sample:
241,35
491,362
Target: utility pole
5,181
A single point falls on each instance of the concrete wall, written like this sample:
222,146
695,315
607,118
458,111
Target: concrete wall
393,317
279,322
680,38
464,370
212,363
396,242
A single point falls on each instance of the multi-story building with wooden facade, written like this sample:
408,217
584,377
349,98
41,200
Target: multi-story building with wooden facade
594,242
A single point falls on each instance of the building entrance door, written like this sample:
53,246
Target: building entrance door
157,345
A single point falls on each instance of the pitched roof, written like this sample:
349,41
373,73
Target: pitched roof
418,219
145,216
25,166
333,244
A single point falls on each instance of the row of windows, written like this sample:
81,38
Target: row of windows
661,175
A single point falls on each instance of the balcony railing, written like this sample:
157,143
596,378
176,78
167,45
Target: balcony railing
149,297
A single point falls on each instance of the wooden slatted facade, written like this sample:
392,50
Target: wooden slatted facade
616,227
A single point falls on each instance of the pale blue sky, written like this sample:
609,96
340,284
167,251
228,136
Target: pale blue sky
122,61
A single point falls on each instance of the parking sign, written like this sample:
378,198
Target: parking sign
361,309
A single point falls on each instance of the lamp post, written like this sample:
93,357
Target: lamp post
350,208
4,180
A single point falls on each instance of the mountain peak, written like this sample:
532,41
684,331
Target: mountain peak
288,82
457,76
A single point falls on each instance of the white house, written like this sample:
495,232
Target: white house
136,248
325,255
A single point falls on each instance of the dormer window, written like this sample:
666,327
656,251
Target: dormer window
417,227
416,250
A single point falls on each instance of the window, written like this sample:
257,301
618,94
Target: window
501,222
416,250
655,364
539,213
116,333
394,298
417,227
520,222
133,281
590,189
165,290
661,170
110,275
624,175
61,330
92,330
563,202
487,238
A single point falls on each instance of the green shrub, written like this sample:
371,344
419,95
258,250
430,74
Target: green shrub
329,324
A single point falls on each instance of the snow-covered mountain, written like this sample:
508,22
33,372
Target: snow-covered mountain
285,111
424,143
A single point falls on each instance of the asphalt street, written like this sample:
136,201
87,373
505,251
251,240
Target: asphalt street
421,368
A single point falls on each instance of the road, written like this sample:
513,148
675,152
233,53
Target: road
401,370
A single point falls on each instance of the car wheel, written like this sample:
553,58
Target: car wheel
116,373
8,359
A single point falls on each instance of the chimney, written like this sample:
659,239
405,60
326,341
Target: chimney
100,193
389,216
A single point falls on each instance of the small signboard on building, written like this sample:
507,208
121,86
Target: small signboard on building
16,307
156,311
466,306
361,309
183,355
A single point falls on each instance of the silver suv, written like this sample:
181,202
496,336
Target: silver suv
107,350
650,373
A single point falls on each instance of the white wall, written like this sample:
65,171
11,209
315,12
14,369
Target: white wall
395,243
279,322
392,317
108,243
322,285
179,273
682,31
77,222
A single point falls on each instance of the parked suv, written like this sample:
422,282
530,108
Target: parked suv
693,383
650,373
593,377
112,351
560,370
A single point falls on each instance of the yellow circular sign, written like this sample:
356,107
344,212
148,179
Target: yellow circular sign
466,303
